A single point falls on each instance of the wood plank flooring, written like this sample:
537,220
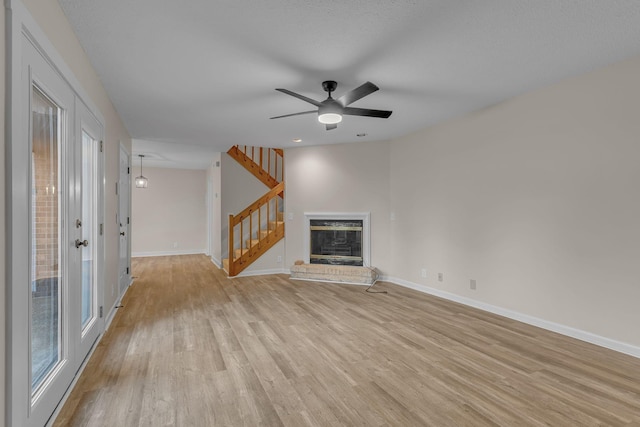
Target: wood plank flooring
193,348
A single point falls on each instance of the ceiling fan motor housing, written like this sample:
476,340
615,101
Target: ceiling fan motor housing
330,111
329,86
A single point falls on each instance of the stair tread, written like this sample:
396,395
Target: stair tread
239,252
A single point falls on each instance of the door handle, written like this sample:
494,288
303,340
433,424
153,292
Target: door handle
122,233
79,243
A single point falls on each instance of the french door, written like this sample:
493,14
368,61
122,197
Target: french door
88,224
56,243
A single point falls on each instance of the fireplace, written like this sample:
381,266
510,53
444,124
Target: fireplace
335,241
337,238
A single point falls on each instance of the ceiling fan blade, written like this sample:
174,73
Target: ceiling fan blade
357,93
332,126
350,111
295,114
302,97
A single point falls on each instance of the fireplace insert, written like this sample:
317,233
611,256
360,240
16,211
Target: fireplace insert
336,242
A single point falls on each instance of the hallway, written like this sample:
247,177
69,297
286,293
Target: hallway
190,347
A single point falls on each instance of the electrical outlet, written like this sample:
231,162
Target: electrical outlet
472,284
440,277
290,216
423,273
279,258
175,245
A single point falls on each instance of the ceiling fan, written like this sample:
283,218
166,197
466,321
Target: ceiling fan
330,111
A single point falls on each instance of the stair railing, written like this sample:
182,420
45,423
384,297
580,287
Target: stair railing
271,160
260,225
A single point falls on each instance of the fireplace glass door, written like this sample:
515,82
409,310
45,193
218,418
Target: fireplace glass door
336,242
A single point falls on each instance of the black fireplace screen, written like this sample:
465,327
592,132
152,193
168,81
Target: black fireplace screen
336,242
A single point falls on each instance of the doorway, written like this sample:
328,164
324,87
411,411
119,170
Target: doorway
55,243
124,221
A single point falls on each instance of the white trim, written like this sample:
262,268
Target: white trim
216,261
581,335
366,231
168,253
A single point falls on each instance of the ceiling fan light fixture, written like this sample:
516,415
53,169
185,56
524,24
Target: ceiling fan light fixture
329,118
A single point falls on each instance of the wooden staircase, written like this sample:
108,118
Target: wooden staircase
260,225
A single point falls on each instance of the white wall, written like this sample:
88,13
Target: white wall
239,189
536,199
339,178
169,217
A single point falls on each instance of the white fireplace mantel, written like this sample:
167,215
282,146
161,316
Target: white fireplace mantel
363,216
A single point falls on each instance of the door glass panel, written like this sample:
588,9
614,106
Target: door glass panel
46,275
89,203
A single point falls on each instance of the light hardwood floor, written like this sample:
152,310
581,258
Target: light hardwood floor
193,348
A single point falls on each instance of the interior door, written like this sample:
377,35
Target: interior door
124,203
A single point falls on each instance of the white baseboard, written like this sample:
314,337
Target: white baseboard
216,261
598,340
167,253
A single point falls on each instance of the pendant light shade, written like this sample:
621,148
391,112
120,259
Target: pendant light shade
141,181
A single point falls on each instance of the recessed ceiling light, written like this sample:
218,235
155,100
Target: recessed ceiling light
297,140
360,135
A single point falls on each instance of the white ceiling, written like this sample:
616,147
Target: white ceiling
202,73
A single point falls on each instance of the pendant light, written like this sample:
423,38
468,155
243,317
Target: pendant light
141,181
